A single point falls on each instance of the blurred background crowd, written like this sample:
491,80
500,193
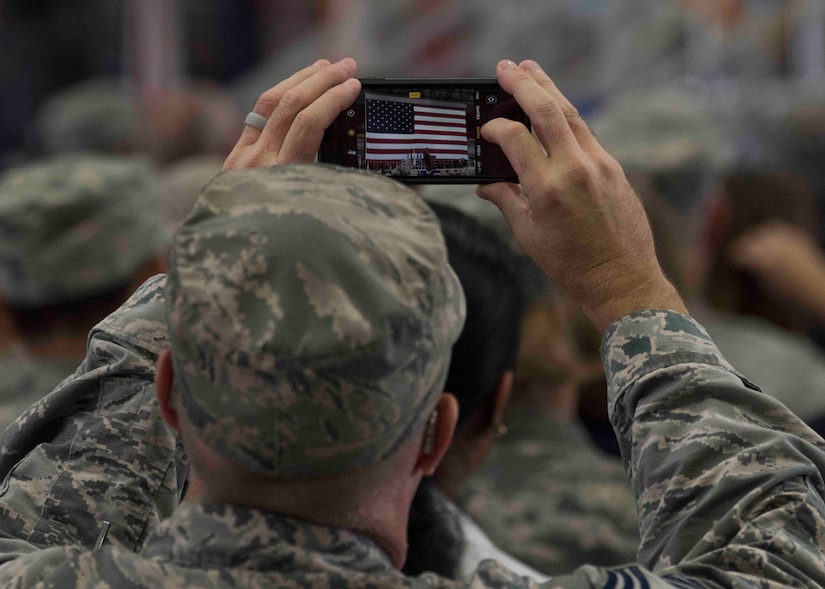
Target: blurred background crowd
737,58
114,113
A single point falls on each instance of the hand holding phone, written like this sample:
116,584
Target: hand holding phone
423,131
289,131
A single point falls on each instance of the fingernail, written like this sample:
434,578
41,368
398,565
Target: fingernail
531,66
507,64
347,62
322,63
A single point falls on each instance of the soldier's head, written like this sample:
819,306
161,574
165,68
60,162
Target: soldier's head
311,314
77,234
480,377
746,200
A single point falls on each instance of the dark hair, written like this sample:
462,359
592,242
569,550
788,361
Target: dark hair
491,276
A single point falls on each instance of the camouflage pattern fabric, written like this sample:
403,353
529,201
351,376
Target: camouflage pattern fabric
97,114
726,479
218,546
95,449
728,482
75,226
26,379
552,499
312,311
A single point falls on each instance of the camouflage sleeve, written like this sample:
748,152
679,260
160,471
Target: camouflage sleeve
728,482
95,450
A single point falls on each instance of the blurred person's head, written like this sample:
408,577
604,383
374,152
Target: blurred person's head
484,357
77,234
745,200
97,114
198,118
559,361
311,313
669,134
111,115
480,377
180,184
675,231
803,147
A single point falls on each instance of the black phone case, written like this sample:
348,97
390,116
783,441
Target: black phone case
339,135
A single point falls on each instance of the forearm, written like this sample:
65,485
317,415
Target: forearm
726,478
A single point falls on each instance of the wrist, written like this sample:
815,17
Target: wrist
630,293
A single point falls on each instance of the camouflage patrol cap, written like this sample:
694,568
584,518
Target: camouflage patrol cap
97,114
74,226
312,311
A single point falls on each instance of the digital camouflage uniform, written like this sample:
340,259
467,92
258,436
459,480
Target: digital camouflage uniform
94,449
552,499
727,481
71,227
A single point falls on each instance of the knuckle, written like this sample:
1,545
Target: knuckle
547,110
571,113
608,167
578,174
292,99
334,74
306,119
546,183
512,130
266,103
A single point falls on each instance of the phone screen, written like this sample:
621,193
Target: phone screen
423,131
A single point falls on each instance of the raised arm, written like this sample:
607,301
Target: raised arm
574,212
728,482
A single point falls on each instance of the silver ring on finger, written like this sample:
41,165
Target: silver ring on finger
256,120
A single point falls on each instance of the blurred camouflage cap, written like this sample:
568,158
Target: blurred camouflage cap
312,311
662,128
74,226
98,114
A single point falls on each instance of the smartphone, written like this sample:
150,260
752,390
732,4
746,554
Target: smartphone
423,130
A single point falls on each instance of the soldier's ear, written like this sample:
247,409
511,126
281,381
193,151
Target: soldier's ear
438,434
164,381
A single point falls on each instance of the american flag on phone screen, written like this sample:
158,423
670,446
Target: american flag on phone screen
398,127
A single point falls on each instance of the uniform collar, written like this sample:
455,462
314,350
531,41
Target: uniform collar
207,536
